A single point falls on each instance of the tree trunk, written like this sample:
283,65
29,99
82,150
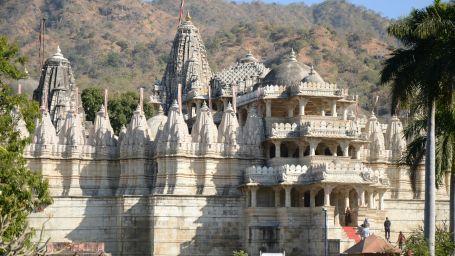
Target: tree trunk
452,206
430,181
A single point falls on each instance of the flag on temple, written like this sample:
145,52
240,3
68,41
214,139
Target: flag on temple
182,3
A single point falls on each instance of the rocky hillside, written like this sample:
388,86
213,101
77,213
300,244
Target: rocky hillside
124,44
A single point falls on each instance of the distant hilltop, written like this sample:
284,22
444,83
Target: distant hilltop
123,44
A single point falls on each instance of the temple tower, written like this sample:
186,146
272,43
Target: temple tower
58,82
187,66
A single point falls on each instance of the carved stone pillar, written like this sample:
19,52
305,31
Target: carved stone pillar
313,145
381,200
327,191
358,150
268,108
333,149
334,108
277,148
302,104
345,114
254,190
345,147
290,110
287,201
312,198
371,199
361,195
301,150
277,196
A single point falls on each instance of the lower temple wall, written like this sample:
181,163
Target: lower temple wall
147,225
197,225
207,225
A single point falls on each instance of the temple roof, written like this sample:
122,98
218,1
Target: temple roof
288,72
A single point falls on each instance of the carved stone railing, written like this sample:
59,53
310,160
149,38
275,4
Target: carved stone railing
342,171
261,175
207,149
274,91
317,89
335,128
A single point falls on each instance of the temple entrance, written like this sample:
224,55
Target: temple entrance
345,200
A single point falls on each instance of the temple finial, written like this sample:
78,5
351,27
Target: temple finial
141,98
292,55
188,16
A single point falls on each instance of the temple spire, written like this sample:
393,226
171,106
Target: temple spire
187,65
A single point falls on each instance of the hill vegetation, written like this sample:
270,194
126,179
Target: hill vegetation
125,44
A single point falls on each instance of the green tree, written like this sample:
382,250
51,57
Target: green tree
419,73
21,190
416,243
445,150
239,253
92,99
120,107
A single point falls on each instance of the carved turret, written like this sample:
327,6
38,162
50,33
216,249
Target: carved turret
229,127
204,129
137,131
175,129
253,131
394,139
187,63
72,132
156,124
58,81
374,133
44,132
103,134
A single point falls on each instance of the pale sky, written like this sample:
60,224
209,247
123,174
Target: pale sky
389,8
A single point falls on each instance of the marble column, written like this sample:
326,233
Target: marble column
358,149
301,150
312,198
381,200
268,108
345,148
334,108
290,110
254,190
327,191
345,113
361,195
277,196
277,148
371,199
287,201
333,149
313,145
302,104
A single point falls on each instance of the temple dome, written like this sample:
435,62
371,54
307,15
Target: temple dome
313,77
288,72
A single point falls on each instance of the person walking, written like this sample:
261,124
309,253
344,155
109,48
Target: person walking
401,240
387,225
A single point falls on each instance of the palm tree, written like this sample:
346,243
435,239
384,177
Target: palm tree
445,152
420,74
